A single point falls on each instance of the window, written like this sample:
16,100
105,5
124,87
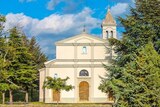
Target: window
55,75
111,34
83,73
107,34
84,50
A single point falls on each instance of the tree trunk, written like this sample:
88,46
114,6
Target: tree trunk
3,97
44,95
58,97
26,97
10,97
31,94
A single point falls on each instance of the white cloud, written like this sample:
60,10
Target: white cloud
119,8
54,24
60,26
52,3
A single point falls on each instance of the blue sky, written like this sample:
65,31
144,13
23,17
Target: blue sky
53,20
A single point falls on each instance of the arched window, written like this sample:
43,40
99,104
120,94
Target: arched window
107,34
111,34
83,73
84,50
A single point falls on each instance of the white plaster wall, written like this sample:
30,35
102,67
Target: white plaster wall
41,80
64,52
99,52
63,73
98,72
83,40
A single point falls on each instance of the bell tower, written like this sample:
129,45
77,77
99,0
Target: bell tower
109,27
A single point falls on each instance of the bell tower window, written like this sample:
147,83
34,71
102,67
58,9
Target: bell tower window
111,34
107,34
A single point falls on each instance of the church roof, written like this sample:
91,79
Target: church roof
81,35
109,20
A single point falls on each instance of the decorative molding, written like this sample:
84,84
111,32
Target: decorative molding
74,66
80,60
82,44
79,36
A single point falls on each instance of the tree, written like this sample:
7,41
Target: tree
20,59
4,86
137,84
142,26
3,63
39,58
22,68
57,84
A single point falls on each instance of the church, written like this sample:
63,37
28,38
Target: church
81,58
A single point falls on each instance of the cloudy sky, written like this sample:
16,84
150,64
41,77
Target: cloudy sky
53,20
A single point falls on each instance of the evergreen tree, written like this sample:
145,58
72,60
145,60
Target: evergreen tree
20,59
142,26
137,85
22,66
4,86
39,58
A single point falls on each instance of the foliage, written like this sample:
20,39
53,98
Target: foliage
20,60
38,57
137,83
57,84
133,77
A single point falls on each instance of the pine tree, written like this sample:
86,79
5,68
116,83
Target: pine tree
4,86
142,26
22,66
137,84
39,58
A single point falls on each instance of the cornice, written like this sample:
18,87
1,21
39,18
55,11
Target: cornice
80,60
81,44
74,66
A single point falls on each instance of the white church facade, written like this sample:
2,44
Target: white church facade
80,58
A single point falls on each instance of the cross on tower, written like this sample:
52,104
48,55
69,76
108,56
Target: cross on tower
84,28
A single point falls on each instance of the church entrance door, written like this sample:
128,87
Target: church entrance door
84,91
56,96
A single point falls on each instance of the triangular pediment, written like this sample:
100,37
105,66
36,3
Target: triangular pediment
82,38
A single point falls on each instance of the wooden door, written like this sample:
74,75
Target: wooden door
56,95
84,91
110,96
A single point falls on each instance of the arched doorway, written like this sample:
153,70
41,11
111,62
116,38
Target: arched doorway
84,91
